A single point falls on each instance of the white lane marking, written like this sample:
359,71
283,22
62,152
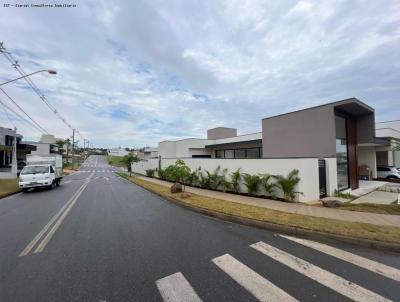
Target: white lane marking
330,280
57,224
66,181
35,240
257,285
175,288
376,267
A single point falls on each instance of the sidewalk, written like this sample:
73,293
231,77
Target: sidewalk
372,218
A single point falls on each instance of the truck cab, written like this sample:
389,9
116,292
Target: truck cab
34,176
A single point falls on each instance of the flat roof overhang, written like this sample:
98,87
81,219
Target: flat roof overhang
392,143
377,142
353,107
233,144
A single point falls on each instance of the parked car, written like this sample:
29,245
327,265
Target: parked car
388,172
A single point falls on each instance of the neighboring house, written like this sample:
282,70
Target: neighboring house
326,143
147,153
118,152
6,156
220,143
388,154
45,146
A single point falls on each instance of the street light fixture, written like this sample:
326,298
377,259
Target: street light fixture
50,71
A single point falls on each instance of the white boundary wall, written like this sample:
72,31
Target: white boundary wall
308,168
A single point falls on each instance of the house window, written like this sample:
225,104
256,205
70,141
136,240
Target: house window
253,153
229,153
342,161
219,154
240,153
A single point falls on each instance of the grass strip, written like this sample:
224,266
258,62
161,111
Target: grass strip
8,186
327,225
116,161
393,209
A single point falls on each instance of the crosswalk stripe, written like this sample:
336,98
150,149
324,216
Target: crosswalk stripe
175,288
339,284
258,286
376,267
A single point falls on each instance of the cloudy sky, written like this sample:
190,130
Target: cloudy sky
132,73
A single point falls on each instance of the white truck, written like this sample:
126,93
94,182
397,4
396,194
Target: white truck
41,171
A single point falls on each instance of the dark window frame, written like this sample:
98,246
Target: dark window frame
345,116
236,149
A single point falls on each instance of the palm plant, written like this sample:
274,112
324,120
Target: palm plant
252,183
235,179
267,185
216,178
204,180
288,184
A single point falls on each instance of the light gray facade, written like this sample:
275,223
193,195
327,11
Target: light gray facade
312,132
221,132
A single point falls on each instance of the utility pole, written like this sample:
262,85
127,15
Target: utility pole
73,147
14,164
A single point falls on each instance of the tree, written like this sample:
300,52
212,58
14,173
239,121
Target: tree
182,172
128,160
60,143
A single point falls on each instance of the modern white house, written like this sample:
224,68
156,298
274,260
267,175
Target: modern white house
328,144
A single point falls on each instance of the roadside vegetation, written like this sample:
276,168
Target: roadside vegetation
393,209
332,226
8,186
116,161
278,187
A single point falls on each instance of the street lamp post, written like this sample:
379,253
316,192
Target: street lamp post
44,70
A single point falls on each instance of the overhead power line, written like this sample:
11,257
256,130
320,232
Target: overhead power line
20,117
21,71
20,108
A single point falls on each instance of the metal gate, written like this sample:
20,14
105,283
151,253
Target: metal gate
322,178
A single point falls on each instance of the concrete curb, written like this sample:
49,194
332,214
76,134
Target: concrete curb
289,230
10,194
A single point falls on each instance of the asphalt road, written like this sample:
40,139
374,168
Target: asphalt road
114,241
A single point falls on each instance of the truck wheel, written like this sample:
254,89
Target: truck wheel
24,190
58,181
53,185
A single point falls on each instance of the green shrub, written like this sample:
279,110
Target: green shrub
150,172
193,178
267,185
178,172
235,179
204,180
343,195
252,183
216,178
288,184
